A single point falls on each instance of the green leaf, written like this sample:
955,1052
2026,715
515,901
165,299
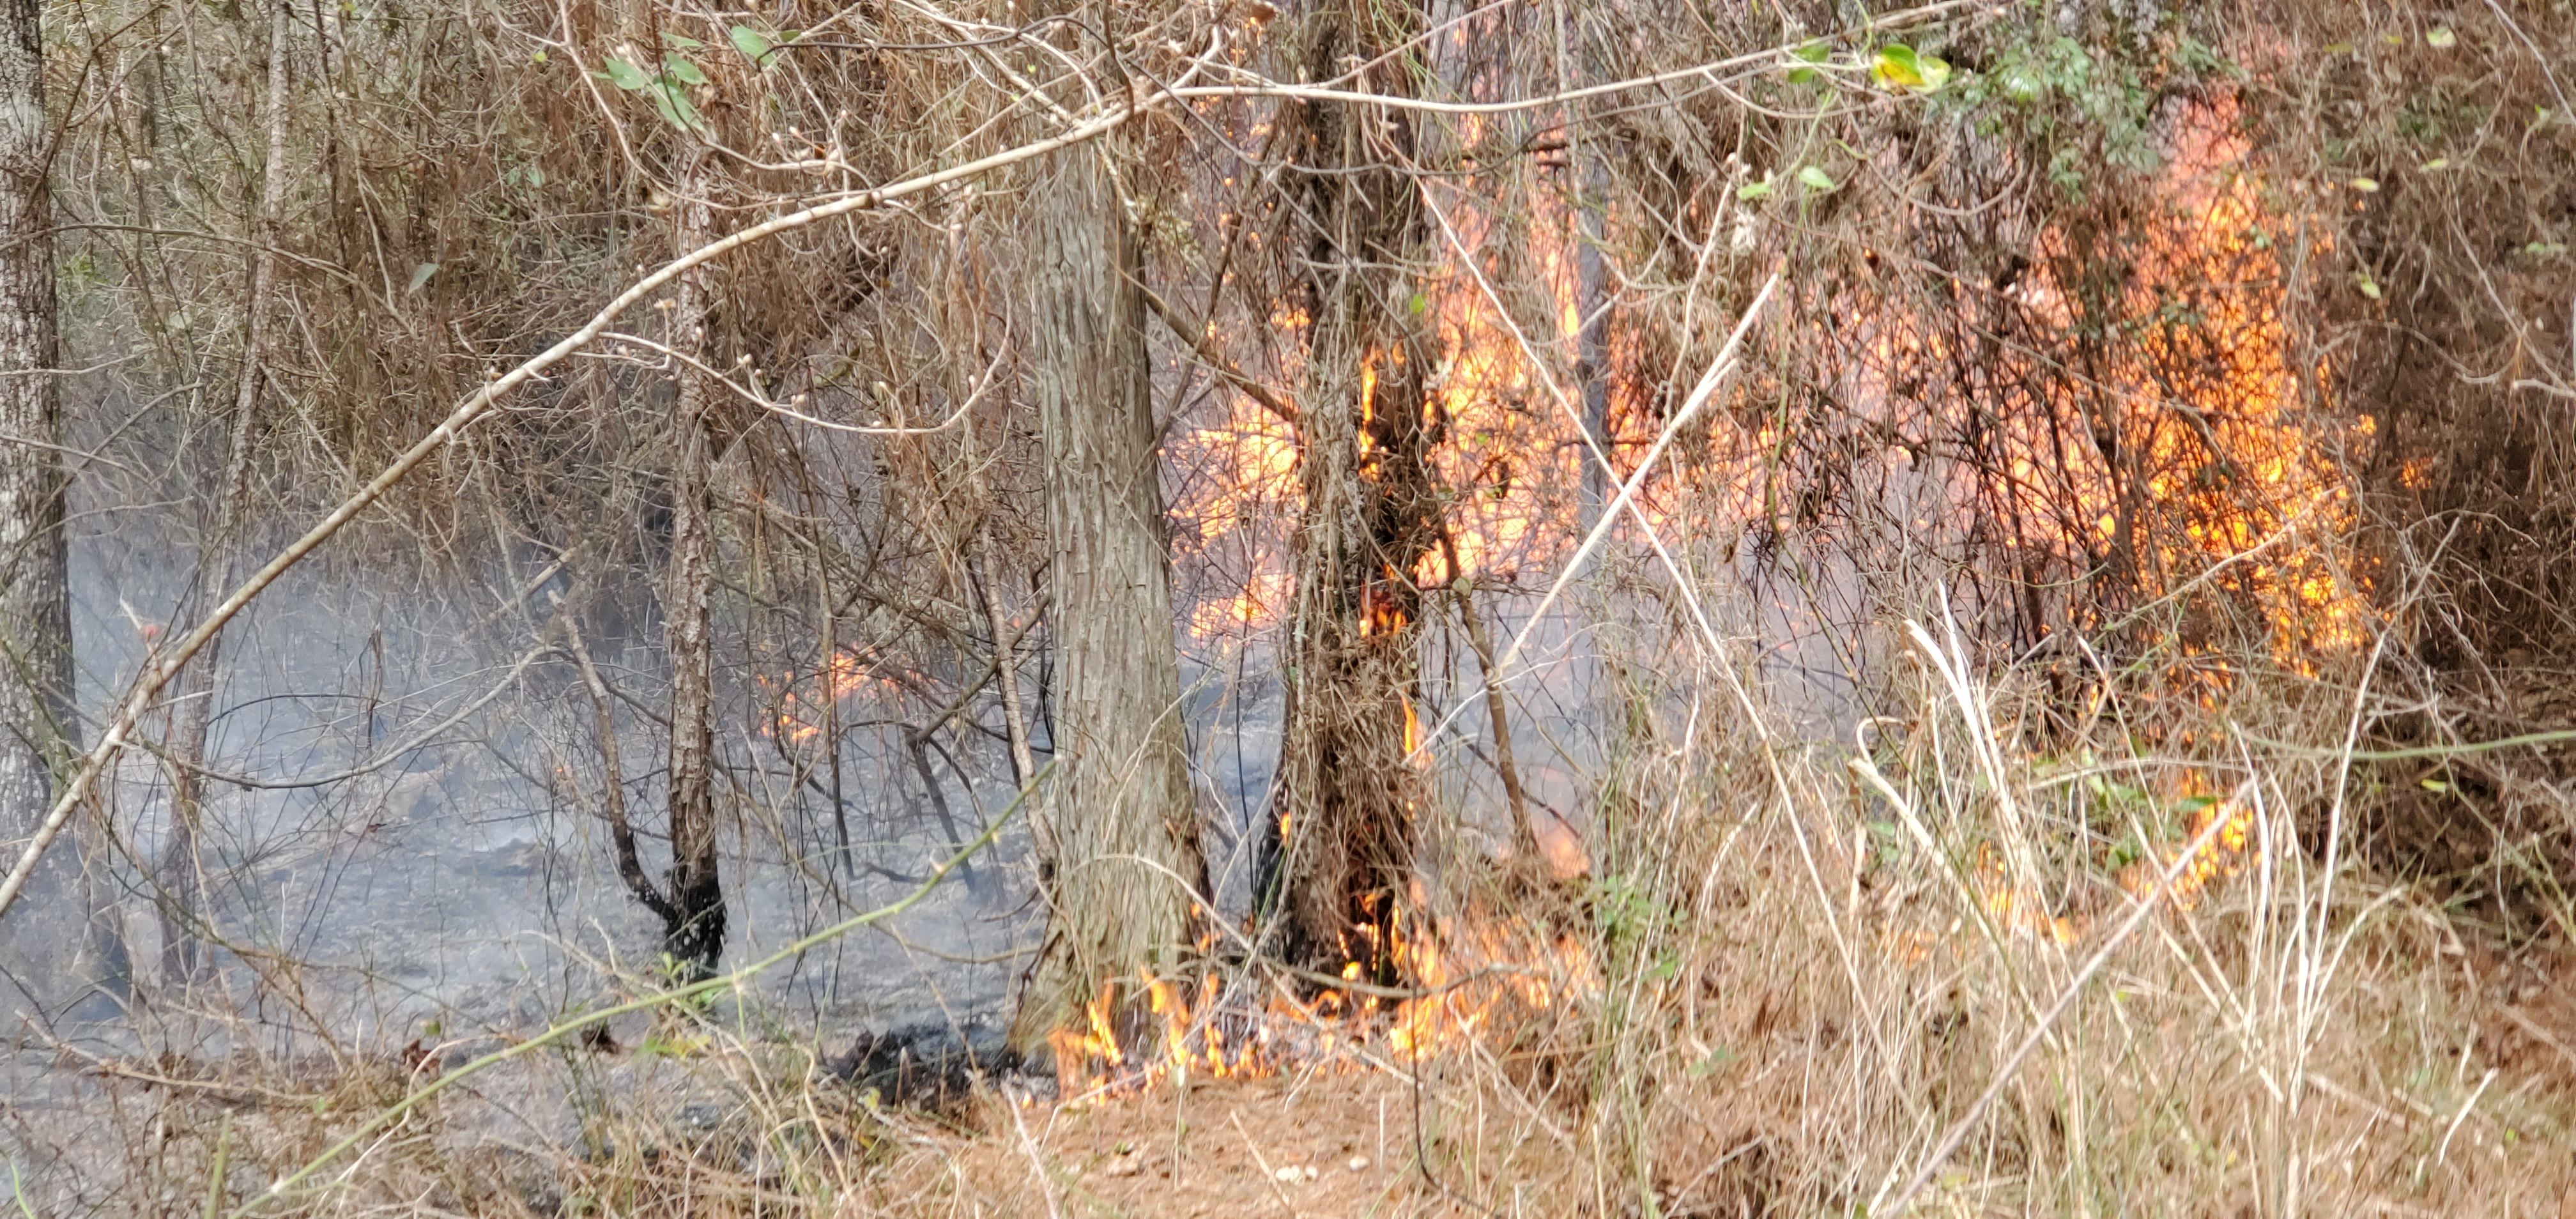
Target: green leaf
2440,37
2545,249
1895,66
1419,304
1755,190
1813,52
682,41
1898,66
2436,786
683,71
2022,85
537,56
2437,165
2369,287
2365,185
753,46
1816,179
622,74
1802,76
420,275
675,109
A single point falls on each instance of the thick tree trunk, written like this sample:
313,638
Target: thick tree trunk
1346,786
1119,839
694,927
35,605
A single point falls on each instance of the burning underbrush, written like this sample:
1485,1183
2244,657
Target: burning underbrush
2063,910
1476,985
1772,997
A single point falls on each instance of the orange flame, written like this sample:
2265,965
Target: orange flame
798,712
1470,978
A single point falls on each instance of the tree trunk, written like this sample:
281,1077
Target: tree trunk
1346,788
179,869
1118,845
35,604
1591,184
694,927
1015,725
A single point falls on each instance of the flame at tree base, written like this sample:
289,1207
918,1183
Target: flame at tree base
1473,979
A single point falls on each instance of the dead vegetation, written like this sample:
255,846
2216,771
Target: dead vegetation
2066,718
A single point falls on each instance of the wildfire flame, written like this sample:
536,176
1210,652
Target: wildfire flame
1467,979
799,711
2209,390
1506,466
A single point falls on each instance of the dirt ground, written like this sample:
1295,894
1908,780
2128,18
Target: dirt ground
1323,1146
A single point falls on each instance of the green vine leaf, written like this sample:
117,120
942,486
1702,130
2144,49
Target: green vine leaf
622,74
754,45
1898,66
673,105
1811,53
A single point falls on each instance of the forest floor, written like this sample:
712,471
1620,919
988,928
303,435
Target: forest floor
1362,1142
1317,1145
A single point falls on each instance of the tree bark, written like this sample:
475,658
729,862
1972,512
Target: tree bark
180,871
1118,844
35,592
1343,822
1497,712
694,927
612,797
1591,182
1015,725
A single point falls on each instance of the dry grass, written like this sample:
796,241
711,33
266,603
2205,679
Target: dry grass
1797,974
1790,996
